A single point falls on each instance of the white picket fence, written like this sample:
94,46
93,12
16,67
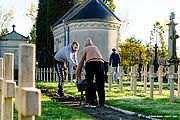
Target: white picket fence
46,74
27,97
50,75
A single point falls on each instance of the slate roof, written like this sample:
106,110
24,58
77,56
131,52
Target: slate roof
14,36
89,9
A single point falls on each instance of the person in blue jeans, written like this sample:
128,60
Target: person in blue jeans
114,61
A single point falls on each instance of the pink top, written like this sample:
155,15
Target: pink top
88,53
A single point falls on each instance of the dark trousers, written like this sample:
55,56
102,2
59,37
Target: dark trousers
59,70
96,69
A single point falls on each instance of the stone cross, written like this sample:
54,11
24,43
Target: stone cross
134,70
145,78
1,67
8,90
171,78
121,78
160,79
13,27
109,80
131,79
151,77
28,98
172,16
171,29
1,82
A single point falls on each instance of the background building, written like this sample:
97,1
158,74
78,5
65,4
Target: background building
9,43
90,19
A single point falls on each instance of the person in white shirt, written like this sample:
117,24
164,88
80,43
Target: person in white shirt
64,55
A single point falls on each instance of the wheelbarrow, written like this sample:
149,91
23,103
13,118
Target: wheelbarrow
82,86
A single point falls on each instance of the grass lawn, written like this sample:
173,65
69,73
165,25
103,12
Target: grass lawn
141,103
52,110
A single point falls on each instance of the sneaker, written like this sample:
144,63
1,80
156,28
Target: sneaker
90,106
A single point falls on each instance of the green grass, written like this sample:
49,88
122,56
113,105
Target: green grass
52,110
141,103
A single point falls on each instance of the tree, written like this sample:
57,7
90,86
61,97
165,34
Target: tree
41,32
49,11
110,4
32,13
5,19
131,52
158,34
124,24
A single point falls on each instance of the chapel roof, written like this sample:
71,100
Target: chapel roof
13,36
89,9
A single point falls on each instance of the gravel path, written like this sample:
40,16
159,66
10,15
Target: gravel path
105,113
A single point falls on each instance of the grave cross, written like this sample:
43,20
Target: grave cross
28,98
8,87
1,82
172,16
13,27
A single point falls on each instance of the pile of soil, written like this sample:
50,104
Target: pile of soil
105,113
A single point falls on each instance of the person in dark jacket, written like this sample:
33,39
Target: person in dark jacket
114,61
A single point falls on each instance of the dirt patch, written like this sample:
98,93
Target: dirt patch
104,113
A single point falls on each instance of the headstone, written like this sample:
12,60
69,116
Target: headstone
151,77
145,78
121,79
28,98
160,79
8,86
178,81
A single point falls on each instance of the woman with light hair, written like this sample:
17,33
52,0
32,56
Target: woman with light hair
94,66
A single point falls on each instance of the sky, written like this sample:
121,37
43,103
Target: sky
142,14
20,8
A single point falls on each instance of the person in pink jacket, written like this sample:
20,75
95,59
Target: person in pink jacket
94,66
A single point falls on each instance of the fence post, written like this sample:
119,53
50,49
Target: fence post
142,75
44,78
50,71
121,79
145,78
8,90
28,98
151,76
178,81
41,79
160,79
47,73
1,82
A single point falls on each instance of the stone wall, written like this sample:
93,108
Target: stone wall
105,35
